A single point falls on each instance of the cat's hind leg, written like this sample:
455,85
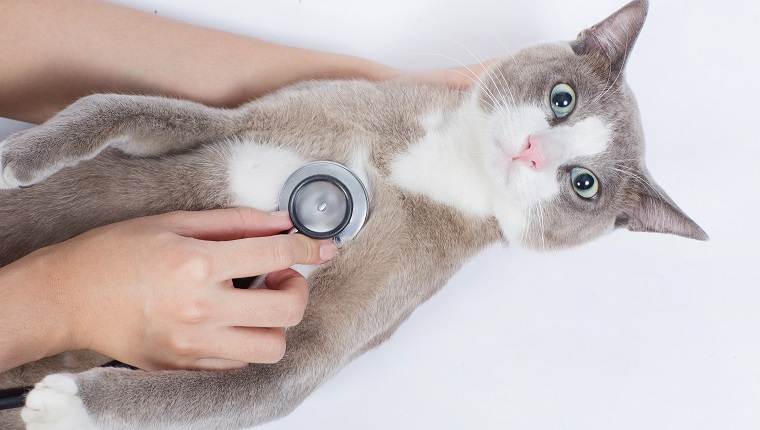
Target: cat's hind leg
138,125
117,399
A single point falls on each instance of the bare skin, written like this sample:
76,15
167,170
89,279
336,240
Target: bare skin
64,50
123,290
156,292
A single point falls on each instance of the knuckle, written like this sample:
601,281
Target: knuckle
283,252
310,249
248,215
296,308
197,266
293,313
181,346
274,348
193,311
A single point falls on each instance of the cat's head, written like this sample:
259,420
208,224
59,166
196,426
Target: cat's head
565,146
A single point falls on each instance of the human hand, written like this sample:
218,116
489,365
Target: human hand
156,292
461,78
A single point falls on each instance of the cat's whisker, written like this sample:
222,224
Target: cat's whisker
505,87
498,84
476,81
503,79
486,71
511,57
542,225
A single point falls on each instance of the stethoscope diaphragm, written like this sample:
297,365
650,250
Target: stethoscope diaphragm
325,201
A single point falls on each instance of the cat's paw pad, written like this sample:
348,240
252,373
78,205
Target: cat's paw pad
53,404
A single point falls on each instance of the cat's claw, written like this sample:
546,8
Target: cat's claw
53,404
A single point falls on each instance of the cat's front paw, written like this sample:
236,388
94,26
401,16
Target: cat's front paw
13,171
53,404
31,156
8,180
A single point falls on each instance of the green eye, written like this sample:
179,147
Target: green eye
584,182
562,100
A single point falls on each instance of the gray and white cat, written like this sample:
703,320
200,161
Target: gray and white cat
547,150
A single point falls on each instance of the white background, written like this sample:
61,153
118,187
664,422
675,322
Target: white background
634,331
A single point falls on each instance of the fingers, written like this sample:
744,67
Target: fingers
228,224
256,256
250,325
227,349
282,304
248,345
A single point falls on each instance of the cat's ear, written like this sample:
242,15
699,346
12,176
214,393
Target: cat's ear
614,37
655,212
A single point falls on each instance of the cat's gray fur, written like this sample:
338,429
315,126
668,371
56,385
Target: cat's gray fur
134,156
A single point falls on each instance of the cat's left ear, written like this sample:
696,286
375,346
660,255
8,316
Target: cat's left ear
655,212
614,37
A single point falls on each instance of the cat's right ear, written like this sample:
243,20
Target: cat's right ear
614,37
654,211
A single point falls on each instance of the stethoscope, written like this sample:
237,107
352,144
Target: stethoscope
325,200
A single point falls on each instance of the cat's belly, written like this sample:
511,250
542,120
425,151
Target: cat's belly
258,171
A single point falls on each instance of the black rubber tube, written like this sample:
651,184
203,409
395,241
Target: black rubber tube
13,398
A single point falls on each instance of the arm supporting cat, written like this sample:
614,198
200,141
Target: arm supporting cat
68,49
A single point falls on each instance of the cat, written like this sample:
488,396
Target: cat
546,150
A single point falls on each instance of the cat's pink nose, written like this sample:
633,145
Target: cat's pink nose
532,155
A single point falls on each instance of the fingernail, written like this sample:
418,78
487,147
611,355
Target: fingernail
328,251
279,213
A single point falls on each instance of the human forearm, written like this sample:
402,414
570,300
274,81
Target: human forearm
34,323
63,50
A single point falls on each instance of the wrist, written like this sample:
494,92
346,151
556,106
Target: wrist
31,327
53,300
66,315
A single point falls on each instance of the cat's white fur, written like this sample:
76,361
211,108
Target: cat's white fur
257,173
7,180
512,127
54,405
453,140
477,150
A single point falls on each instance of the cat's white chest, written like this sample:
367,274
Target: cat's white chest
445,165
257,173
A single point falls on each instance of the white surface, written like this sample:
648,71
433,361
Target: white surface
634,331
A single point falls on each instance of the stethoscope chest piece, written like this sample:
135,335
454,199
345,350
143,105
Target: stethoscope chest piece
325,201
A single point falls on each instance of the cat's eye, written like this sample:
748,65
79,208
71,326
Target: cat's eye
562,100
584,182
